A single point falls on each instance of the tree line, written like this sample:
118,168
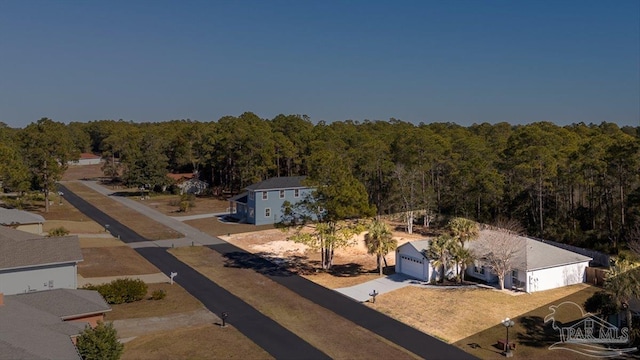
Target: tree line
579,184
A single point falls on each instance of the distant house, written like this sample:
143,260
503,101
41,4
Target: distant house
87,159
188,183
21,220
262,202
30,262
536,266
45,324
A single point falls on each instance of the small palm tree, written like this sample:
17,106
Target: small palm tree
461,257
379,241
440,253
464,230
623,283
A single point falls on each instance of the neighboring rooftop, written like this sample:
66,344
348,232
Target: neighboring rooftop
32,327
534,254
285,182
9,217
89,156
19,249
181,176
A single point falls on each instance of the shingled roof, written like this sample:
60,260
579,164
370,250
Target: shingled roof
33,326
18,217
19,249
277,183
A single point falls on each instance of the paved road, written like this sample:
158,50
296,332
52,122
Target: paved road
403,335
266,333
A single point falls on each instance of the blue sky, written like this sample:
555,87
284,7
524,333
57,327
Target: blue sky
462,61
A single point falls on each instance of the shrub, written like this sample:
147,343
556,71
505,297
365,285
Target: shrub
158,294
121,291
59,231
99,343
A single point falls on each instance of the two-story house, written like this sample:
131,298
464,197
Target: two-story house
262,202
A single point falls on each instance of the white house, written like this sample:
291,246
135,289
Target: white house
536,265
87,159
30,262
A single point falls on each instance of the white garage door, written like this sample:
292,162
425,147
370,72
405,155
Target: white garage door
412,267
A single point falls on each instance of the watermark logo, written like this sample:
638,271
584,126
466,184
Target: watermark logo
588,334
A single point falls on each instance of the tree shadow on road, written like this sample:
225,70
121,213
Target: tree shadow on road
256,262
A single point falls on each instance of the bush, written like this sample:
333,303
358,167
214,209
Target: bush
121,291
99,343
158,294
59,231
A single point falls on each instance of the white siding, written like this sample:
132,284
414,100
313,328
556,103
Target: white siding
39,278
412,263
555,277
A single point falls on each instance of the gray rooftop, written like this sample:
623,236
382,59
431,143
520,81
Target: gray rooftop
33,329
276,183
19,249
18,217
534,254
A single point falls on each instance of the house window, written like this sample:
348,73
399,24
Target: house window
251,212
281,194
296,193
478,268
267,212
265,196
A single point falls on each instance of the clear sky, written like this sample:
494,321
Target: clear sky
461,61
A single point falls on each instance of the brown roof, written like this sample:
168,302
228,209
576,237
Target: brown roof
181,176
19,249
89,156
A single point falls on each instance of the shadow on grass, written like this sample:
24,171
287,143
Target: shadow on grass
536,332
259,263
346,270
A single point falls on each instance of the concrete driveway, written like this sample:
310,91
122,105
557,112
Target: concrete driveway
381,285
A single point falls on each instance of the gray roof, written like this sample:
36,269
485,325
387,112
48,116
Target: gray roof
18,217
19,249
276,183
32,328
66,303
534,254
241,198
419,245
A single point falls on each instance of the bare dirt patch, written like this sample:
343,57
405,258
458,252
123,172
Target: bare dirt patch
352,264
113,261
334,335
143,225
201,342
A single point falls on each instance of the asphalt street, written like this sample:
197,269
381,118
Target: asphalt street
268,334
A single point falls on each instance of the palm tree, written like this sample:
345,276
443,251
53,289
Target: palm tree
379,241
464,230
461,257
623,283
440,253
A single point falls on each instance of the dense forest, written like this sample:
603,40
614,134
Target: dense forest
579,184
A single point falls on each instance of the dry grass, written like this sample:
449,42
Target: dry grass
79,172
214,227
113,261
203,205
177,301
74,227
335,281
202,342
143,225
323,329
98,242
454,314
531,335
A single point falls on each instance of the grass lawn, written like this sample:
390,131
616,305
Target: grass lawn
144,226
203,205
113,261
202,342
462,316
336,281
336,336
178,300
